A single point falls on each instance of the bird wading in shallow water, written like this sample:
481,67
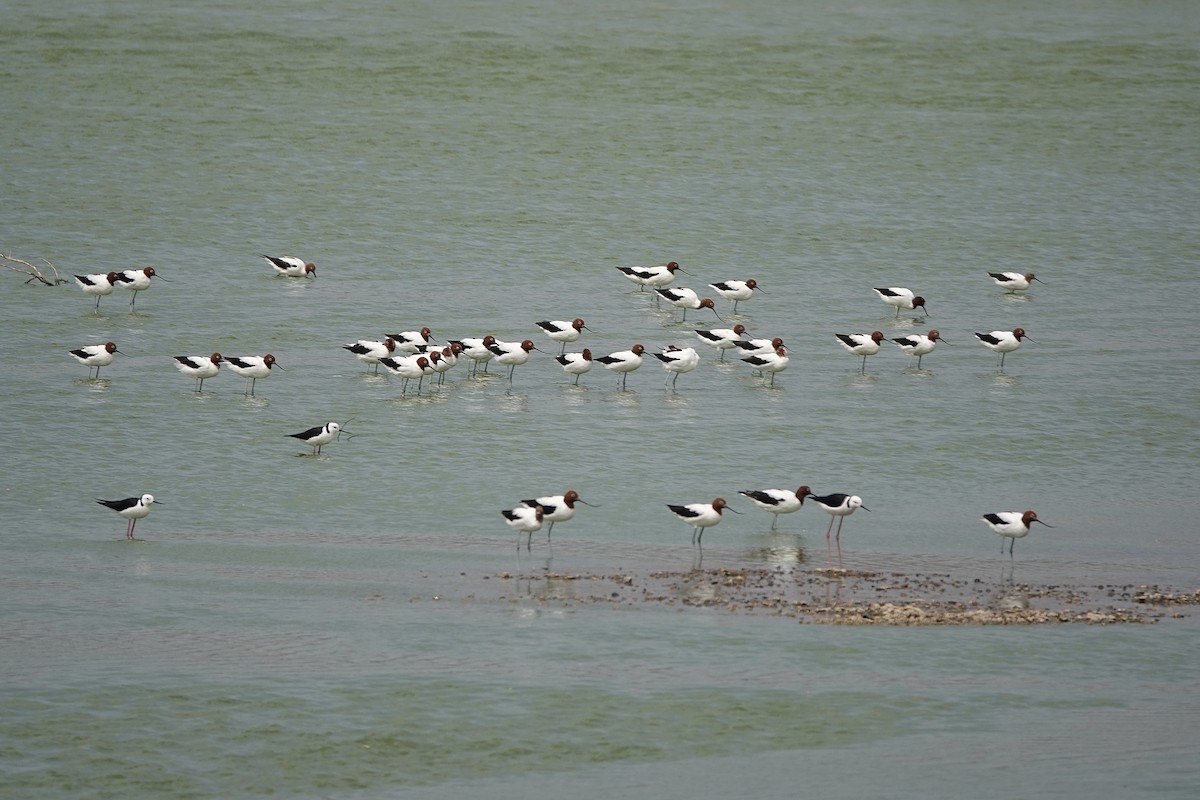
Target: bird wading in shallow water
96,355
476,349
408,367
735,291
758,347
199,367
524,519
777,501
685,298
1012,525
98,284
137,280
556,508
132,509
654,277
769,362
443,360
292,267
576,363
1002,342
676,361
861,344
901,298
623,361
318,436
918,344
1013,281
512,354
563,331
701,516
838,506
722,338
411,342
252,367
369,351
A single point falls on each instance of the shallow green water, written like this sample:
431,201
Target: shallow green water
476,167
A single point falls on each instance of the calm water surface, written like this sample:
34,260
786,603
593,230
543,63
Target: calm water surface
337,627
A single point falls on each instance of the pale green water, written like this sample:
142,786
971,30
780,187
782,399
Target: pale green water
477,167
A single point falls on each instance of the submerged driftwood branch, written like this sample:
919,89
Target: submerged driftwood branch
34,272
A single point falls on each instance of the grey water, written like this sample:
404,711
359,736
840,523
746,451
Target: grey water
339,626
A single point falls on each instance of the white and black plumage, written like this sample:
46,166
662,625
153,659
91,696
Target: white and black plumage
98,284
556,508
1002,342
476,349
136,280
292,267
1012,525
758,347
861,344
838,506
443,360
369,351
563,331
654,277
524,519
411,342
437,364
685,298
252,367
735,291
769,362
408,367
701,516
900,297
678,360
318,436
722,338
96,355
512,354
132,509
1013,281
199,367
919,344
777,501
623,361
576,363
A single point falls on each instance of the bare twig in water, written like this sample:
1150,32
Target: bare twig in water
34,273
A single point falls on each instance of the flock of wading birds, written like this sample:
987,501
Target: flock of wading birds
411,355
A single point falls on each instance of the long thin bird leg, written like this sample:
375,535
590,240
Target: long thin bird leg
839,541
